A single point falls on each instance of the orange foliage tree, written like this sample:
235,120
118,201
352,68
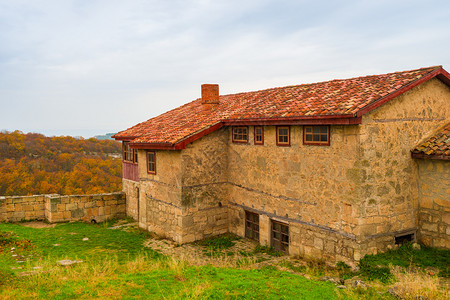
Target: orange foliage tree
32,164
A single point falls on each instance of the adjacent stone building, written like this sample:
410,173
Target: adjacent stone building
321,169
433,160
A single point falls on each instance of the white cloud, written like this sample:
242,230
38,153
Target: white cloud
100,66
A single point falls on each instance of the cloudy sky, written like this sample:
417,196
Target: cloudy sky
87,67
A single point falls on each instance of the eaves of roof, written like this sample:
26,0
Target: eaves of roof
180,144
423,155
322,120
124,138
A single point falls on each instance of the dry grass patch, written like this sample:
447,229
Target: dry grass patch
413,283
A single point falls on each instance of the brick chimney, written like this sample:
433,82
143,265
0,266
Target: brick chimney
210,94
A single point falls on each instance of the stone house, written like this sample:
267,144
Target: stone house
324,169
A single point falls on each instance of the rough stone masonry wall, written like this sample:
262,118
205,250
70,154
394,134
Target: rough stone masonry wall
186,200
434,203
160,208
386,173
22,208
57,208
131,189
304,186
204,191
98,207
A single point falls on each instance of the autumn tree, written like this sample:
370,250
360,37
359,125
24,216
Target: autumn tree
35,164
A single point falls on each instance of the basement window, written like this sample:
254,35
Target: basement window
252,226
403,239
151,162
240,134
280,236
283,136
259,135
316,135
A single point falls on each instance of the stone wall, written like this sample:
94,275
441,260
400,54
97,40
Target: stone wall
305,240
131,189
98,207
57,208
22,208
304,186
186,200
387,175
205,190
434,203
160,194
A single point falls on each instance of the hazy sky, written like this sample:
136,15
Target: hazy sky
87,67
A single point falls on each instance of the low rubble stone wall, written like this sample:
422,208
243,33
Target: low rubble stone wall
58,208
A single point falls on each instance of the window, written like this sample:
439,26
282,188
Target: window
259,135
151,162
316,135
127,152
280,236
283,136
252,225
240,134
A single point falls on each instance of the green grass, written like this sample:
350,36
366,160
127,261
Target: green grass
117,265
216,246
66,241
377,266
268,250
194,282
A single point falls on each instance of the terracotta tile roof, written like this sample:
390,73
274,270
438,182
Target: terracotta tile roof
338,99
437,146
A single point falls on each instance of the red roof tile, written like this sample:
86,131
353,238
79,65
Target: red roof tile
345,99
436,147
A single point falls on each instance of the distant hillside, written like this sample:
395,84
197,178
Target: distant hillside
35,164
104,137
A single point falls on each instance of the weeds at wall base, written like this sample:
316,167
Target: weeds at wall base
268,250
